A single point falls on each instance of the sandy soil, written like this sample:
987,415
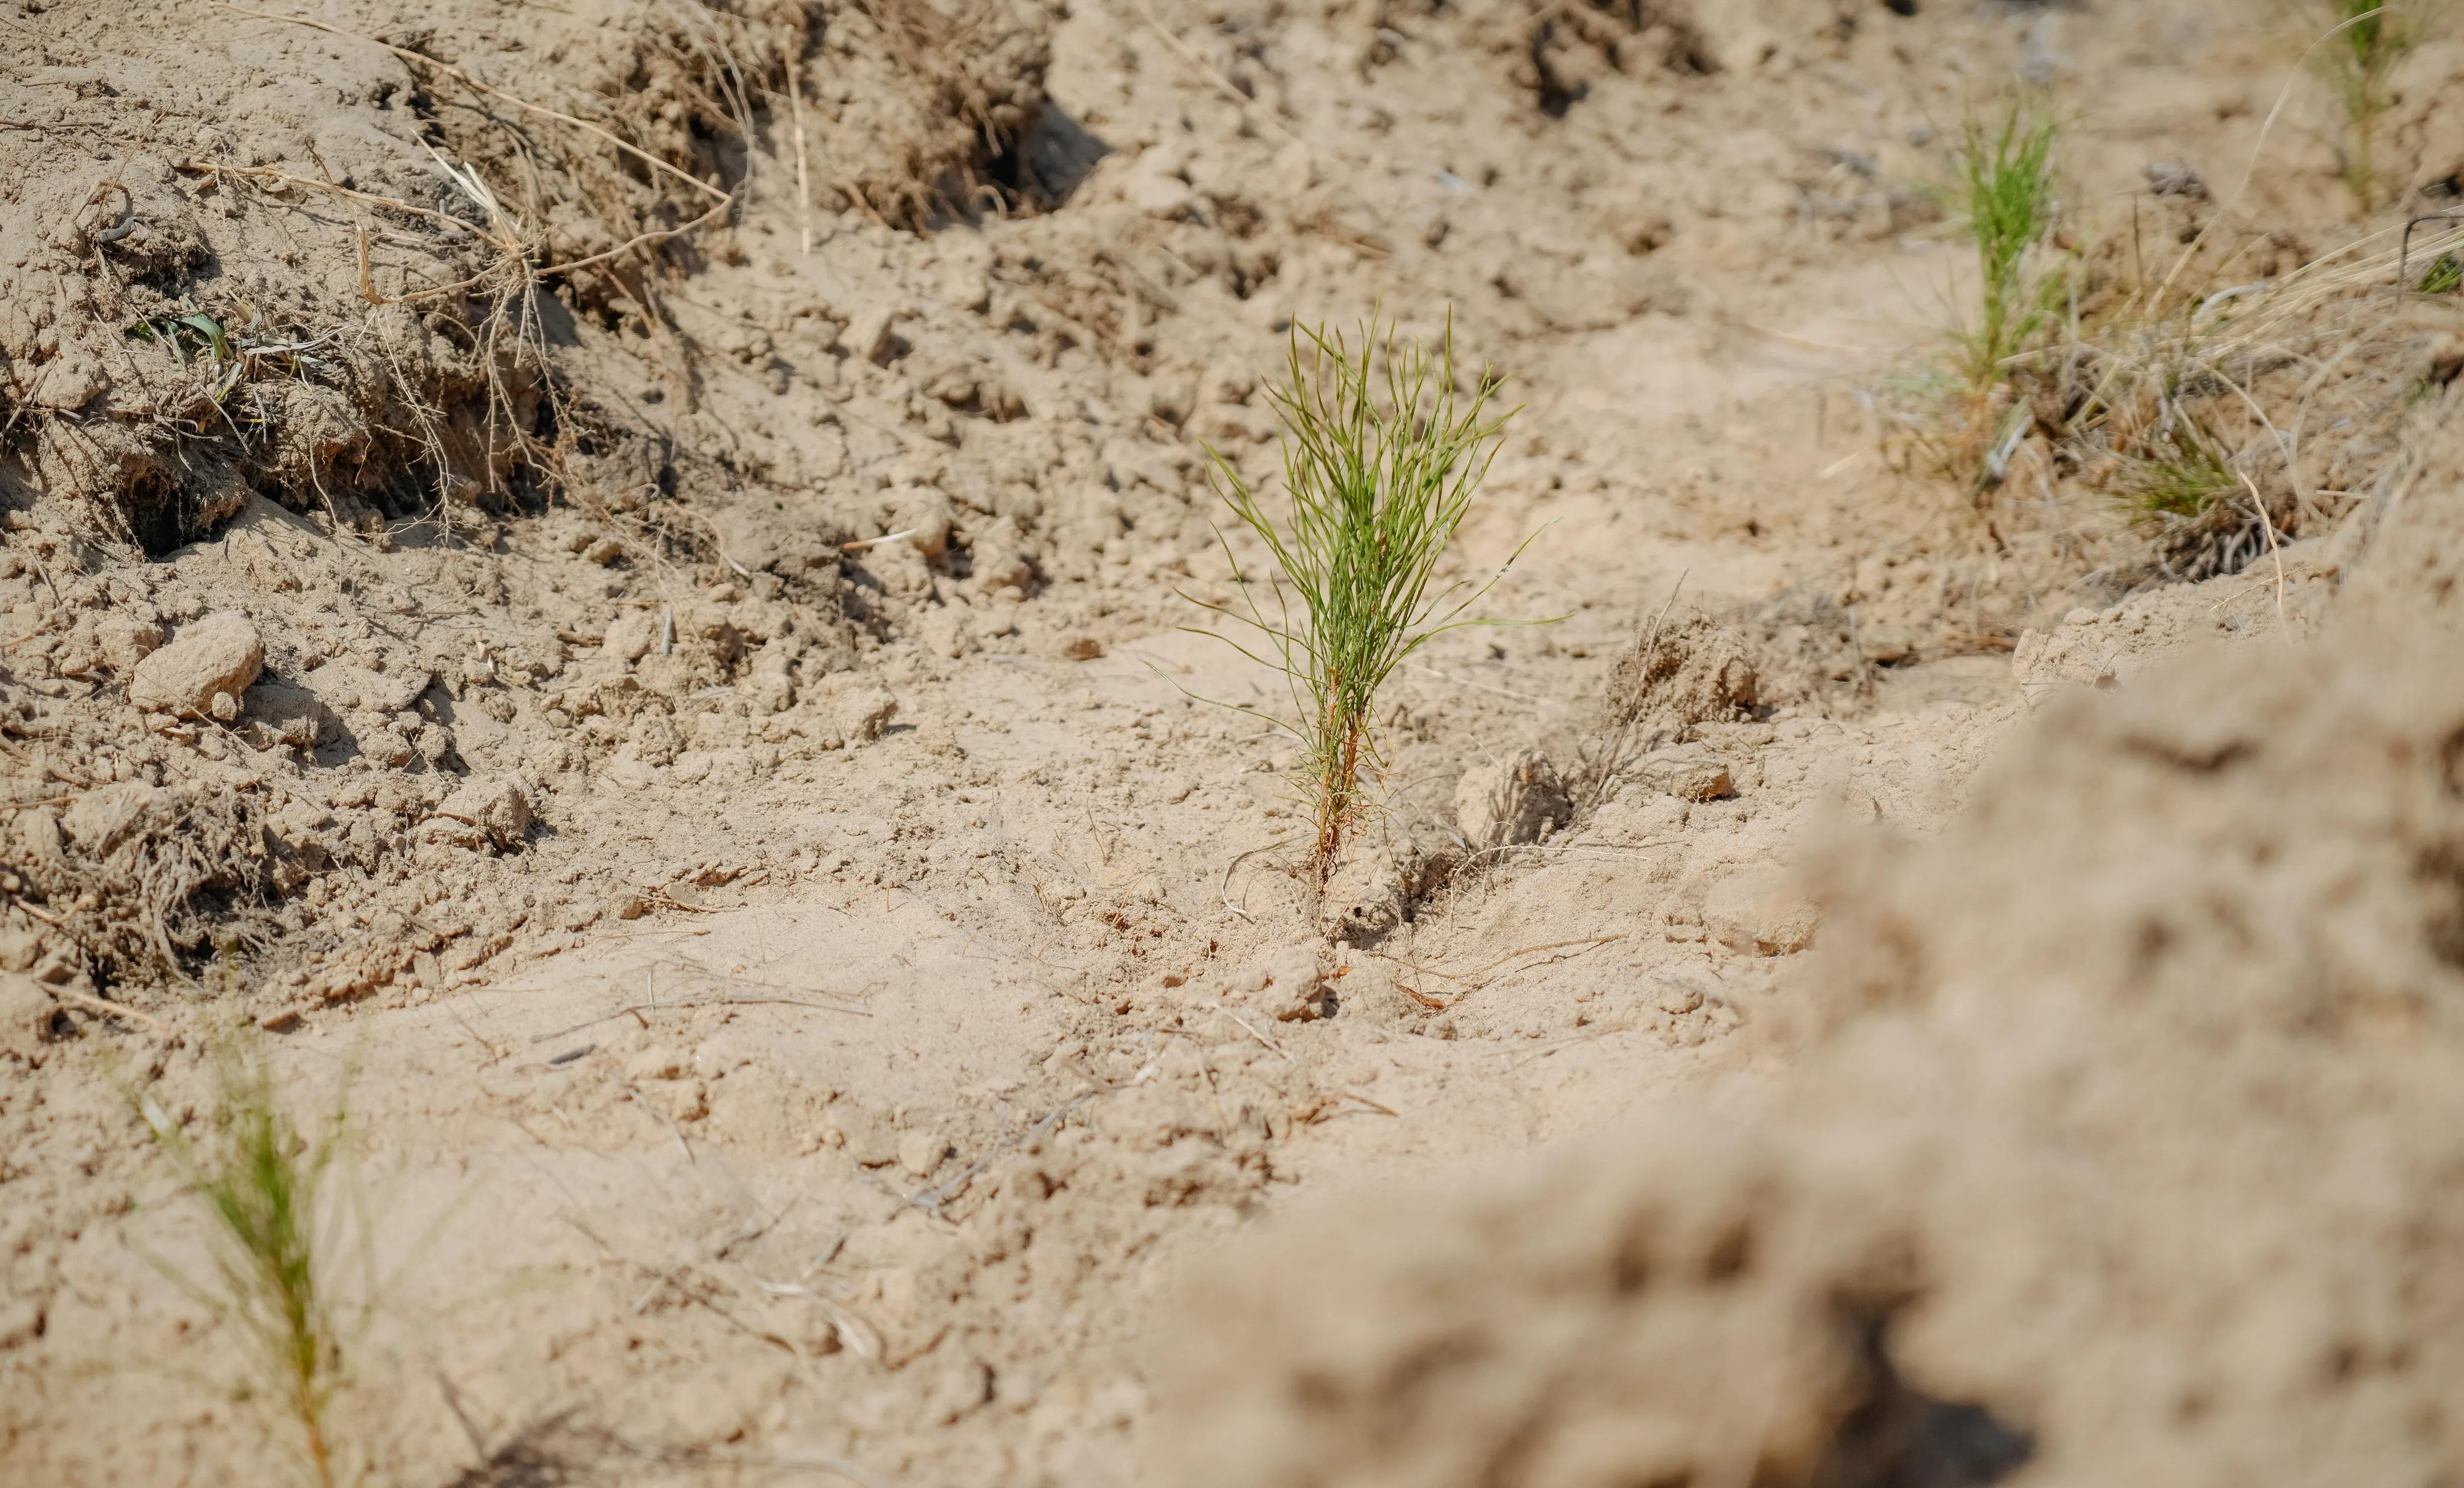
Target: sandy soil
709,757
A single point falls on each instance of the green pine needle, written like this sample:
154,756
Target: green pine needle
2181,476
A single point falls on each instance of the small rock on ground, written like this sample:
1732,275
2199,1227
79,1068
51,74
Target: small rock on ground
865,713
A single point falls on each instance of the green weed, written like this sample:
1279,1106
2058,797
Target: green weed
197,328
222,359
1382,458
2445,275
263,1181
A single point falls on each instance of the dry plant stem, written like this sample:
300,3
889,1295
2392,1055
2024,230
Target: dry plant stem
1615,755
286,178
803,184
2316,285
2258,508
641,240
2404,253
102,1009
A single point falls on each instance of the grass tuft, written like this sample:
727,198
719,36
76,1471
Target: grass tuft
2177,475
1383,457
262,1181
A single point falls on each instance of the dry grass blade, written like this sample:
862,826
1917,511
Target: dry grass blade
2374,263
2258,509
1612,757
102,1009
803,181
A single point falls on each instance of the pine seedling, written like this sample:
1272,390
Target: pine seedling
2005,177
262,1181
2357,61
1383,457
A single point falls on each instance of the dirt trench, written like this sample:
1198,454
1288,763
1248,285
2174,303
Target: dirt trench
614,579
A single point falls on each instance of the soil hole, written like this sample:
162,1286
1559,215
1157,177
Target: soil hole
1902,1437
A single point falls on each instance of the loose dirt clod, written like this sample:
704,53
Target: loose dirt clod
1760,912
485,813
865,713
204,672
1513,801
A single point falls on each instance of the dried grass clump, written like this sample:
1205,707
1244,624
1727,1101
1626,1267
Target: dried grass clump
184,392
401,367
1674,674
144,878
598,196
2258,412
1798,648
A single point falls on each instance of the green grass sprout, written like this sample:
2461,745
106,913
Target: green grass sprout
1383,457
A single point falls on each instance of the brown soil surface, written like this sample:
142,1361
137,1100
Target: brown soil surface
619,584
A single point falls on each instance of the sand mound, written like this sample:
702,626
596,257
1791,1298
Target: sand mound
2125,1149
